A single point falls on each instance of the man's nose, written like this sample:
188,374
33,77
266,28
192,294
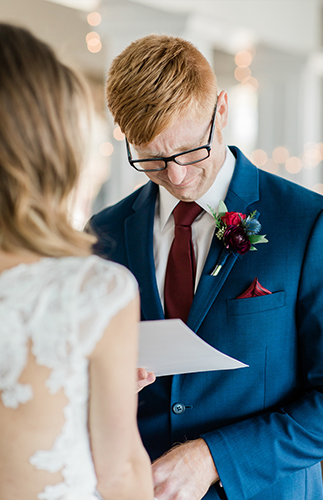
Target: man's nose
176,173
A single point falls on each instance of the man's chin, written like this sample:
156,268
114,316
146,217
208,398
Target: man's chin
185,193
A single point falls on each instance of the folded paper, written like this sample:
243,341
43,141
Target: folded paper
169,347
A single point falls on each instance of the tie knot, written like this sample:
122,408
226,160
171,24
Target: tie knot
186,212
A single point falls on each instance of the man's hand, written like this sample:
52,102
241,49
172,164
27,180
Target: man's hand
185,472
144,378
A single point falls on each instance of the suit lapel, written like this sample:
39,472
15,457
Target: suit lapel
242,192
139,247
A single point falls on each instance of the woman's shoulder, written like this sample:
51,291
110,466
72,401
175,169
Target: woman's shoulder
90,279
68,277
94,269
101,289
80,269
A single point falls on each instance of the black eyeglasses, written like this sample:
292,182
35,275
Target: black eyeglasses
185,158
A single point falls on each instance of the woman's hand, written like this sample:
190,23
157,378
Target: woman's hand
144,378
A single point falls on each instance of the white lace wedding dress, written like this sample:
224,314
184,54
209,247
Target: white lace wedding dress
60,307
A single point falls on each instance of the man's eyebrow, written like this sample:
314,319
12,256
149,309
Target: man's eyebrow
148,155
179,150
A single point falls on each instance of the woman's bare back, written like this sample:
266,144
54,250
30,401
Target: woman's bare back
52,314
32,426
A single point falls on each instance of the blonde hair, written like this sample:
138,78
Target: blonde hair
41,147
153,81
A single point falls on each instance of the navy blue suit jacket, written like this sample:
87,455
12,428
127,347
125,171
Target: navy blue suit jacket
263,424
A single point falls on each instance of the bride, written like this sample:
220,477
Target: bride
68,320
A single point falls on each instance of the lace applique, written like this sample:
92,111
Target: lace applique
18,394
13,357
62,307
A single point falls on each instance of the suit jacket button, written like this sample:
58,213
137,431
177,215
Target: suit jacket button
178,408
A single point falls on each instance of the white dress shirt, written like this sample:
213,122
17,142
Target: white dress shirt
202,228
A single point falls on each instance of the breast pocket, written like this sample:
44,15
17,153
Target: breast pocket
253,305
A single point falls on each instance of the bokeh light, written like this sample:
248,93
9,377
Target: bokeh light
259,157
93,42
249,84
106,149
293,165
309,145
271,166
312,157
242,73
93,35
94,19
243,58
280,154
117,134
95,46
253,82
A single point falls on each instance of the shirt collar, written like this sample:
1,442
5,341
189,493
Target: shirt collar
217,192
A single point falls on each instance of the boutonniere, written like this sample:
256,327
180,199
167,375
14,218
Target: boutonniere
239,232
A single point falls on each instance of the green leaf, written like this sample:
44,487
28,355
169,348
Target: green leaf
263,238
222,208
253,249
257,238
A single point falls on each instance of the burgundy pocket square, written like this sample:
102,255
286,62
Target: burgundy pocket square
254,290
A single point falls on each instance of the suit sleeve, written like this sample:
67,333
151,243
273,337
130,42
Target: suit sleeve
253,454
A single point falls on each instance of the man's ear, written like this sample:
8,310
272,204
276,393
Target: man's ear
222,110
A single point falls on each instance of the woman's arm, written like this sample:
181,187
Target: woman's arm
121,463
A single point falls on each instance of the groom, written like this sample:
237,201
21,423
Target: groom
254,433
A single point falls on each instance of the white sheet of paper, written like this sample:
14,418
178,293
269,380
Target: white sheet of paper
169,347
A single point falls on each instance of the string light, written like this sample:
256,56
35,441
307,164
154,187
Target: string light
241,73
94,46
311,158
93,35
271,166
309,145
280,154
293,165
117,134
243,58
259,157
94,19
106,149
93,41
251,83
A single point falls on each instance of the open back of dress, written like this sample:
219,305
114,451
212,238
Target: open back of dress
52,314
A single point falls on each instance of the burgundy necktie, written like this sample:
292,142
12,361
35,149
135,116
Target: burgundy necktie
181,266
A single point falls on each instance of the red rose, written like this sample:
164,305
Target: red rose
233,218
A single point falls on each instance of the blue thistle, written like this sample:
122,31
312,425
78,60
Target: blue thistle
252,226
